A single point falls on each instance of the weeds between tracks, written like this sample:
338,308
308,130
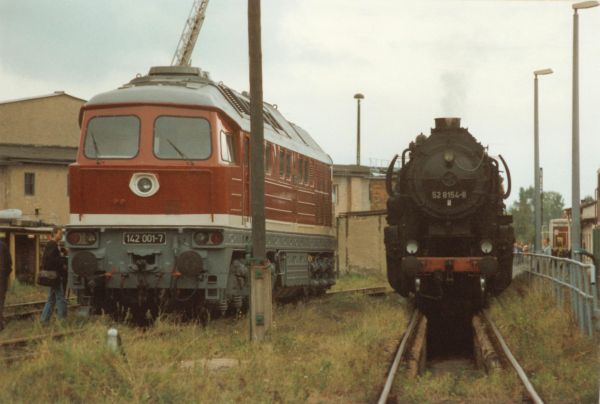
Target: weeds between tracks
320,350
560,361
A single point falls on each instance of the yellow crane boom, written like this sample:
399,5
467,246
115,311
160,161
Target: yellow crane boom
191,29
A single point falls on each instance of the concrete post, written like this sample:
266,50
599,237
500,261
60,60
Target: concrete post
261,309
260,294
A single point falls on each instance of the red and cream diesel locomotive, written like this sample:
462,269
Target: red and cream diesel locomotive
160,199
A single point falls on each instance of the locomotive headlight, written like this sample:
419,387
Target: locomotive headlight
486,246
81,238
412,246
448,156
144,184
201,238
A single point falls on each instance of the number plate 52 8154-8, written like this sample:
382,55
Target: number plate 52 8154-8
139,237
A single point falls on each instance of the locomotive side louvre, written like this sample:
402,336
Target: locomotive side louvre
448,236
160,197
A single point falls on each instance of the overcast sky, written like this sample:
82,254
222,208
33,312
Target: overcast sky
413,61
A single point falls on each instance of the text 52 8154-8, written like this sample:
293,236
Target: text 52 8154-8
448,194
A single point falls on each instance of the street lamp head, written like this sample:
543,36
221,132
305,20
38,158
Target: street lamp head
585,4
543,71
359,96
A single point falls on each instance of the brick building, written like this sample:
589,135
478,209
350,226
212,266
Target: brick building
38,140
358,189
590,220
359,201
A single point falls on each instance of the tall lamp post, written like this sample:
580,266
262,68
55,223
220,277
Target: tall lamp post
536,170
575,201
358,97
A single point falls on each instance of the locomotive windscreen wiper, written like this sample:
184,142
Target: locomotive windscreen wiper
181,154
96,150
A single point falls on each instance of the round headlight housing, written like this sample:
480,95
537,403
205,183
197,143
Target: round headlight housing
449,156
90,238
74,237
486,246
81,238
412,246
201,238
216,237
144,184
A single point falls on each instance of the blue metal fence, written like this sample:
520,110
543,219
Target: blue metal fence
569,281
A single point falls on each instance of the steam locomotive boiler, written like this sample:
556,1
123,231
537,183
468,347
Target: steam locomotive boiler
448,239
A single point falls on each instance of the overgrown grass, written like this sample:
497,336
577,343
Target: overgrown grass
561,362
356,280
324,350
328,350
21,293
501,387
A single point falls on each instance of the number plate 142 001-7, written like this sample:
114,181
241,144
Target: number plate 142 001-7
144,238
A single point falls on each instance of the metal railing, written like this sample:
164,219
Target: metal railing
570,281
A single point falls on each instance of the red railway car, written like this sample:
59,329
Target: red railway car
160,198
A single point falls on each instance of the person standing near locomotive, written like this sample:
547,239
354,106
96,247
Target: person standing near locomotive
53,261
5,270
547,249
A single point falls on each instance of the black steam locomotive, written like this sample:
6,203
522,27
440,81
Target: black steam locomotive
448,239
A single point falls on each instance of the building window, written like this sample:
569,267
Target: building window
29,183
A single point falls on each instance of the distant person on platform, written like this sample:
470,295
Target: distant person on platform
547,249
5,270
52,260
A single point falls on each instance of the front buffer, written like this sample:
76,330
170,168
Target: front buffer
443,284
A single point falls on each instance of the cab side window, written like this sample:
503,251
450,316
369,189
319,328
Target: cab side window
227,148
281,162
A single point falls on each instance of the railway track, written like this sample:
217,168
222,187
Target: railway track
372,291
15,349
489,353
20,311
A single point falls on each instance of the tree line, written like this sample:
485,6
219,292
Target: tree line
523,216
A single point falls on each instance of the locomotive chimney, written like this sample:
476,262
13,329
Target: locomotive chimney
447,123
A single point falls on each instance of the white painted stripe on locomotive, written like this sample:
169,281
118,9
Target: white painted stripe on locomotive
224,220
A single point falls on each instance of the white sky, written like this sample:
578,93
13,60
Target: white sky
413,61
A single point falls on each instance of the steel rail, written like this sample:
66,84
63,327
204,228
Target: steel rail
35,303
394,368
26,304
522,375
377,290
25,314
26,340
21,314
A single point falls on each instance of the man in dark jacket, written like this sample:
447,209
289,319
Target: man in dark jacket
52,260
5,270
